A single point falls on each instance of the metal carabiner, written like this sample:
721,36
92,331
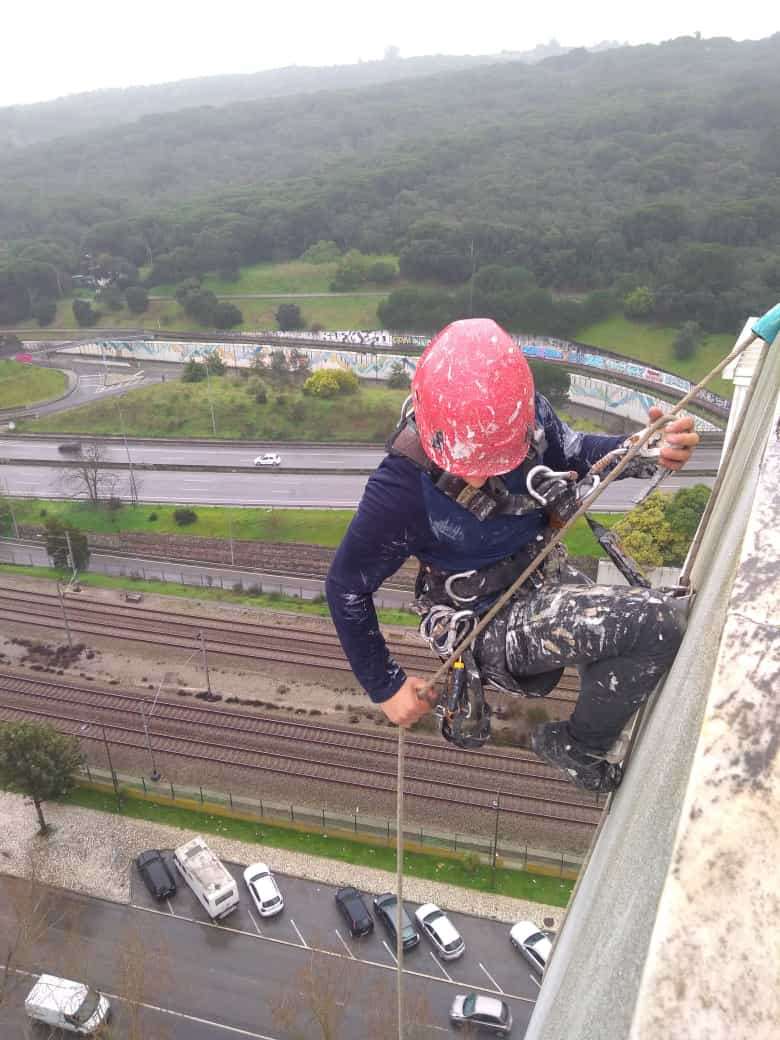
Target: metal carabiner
457,577
547,474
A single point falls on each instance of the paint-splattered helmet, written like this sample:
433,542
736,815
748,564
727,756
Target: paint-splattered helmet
473,399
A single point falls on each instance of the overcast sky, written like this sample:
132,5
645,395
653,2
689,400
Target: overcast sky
52,48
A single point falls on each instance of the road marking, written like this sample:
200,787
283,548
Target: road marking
389,951
325,953
297,932
170,907
438,964
352,955
491,978
254,922
533,978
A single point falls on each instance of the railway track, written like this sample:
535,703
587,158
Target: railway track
253,640
303,750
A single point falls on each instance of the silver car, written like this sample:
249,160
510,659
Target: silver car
483,1014
441,931
533,943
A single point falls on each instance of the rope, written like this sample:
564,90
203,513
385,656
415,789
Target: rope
423,693
399,881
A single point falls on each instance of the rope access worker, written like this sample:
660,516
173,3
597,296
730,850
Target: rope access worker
458,491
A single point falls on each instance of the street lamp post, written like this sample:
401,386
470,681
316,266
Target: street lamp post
133,485
497,805
211,405
202,639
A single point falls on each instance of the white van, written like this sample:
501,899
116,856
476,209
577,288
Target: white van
208,878
67,1005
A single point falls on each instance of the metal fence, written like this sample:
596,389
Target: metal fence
340,824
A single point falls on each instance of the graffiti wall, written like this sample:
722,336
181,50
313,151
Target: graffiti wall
621,400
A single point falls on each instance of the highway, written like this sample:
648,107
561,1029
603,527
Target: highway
262,488
200,980
299,456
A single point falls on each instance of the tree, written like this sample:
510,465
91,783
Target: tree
194,372
382,272
322,252
110,297
288,317
215,366
88,475
37,761
57,537
398,378
639,303
226,316
683,514
644,531
44,310
28,904
137,299
687,340
316,1003
84,313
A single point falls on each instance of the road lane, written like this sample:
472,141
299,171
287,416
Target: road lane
261,488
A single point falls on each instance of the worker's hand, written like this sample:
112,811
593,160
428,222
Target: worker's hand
679,440
405,707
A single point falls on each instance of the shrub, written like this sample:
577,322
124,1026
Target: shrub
329,382
471,862
114,503
261,396
184,516
152,517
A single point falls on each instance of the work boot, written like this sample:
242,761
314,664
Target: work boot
589,770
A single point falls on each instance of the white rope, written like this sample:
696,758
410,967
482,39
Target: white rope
399,881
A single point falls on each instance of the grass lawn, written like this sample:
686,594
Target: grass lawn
22,384
182,410
449,869
269,601
307,526
653,344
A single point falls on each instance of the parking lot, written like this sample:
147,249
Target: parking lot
311,922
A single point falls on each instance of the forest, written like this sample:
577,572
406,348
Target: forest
647,172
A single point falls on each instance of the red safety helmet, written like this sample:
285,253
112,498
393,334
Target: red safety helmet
473,399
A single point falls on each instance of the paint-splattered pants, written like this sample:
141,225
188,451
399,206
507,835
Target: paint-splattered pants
621,639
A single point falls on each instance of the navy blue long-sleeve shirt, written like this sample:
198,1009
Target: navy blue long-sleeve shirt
402,514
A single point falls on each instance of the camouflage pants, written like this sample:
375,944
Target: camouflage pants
621,639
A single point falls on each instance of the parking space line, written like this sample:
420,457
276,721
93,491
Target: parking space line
533,978
254,922
326,953
490,977
298,933
389,951
170,907
439,964
352,955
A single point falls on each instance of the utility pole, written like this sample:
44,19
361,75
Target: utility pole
111,767
497,804
202,639
230,536
64,616
71,558
133,485
154,776
211,405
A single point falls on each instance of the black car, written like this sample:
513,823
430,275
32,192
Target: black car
156,873
70,448
385,909
355,912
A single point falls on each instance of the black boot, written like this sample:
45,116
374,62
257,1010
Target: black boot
589,770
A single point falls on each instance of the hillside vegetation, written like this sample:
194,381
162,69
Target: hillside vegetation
651,166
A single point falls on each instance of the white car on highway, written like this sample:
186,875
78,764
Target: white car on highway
533,943
263,889
441,931
269,459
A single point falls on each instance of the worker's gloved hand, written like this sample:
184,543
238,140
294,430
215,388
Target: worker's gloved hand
679,440
405,707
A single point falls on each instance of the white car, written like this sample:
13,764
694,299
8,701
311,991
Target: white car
269,459
441,931
263,889
482,1014
534,945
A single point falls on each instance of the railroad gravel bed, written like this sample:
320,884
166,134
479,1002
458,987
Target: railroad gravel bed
91,852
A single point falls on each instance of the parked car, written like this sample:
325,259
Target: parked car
263,889
483,1014
532,943
355,912
441,931
269,459
70,448
156,874
384,907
